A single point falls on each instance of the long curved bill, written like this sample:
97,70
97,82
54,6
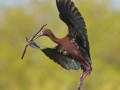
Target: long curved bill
30,41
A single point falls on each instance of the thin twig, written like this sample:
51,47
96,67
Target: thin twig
24,51
31,40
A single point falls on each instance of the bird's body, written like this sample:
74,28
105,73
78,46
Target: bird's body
72,51
66,45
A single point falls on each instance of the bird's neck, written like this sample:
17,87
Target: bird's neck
53,37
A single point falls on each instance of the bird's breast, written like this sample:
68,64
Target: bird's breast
68,46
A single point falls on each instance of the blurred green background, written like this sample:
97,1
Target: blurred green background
36,71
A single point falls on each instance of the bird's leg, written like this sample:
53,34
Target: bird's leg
81,79
87,72
83,76
80,82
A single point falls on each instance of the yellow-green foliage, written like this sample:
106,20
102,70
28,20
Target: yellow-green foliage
38,72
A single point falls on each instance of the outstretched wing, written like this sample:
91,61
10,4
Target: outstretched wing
69,14
65,61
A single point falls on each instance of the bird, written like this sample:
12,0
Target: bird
73,50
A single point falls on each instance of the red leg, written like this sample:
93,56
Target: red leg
83,76
80,82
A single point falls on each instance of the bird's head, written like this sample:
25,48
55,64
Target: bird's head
43,32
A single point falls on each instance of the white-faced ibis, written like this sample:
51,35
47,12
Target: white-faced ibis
72,51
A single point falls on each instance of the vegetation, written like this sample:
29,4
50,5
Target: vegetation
36,71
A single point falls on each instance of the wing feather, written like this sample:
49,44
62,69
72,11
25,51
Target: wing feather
65,61
70,15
